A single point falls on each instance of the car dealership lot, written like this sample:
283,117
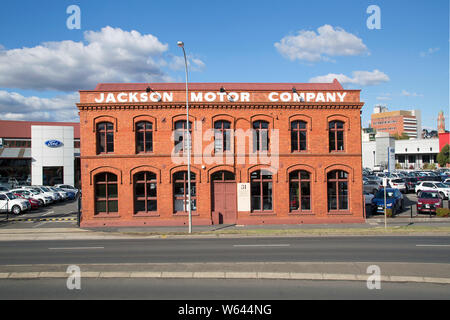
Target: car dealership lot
62,214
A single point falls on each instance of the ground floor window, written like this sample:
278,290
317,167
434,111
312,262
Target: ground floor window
180,192
145,196
106,196
337,190
261,191
299,191
52,175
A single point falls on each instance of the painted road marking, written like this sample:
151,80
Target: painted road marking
432,245
78,248
261,245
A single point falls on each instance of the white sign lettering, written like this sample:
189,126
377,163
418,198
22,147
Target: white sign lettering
139,97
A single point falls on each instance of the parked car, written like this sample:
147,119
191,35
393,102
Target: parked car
35,204
37,194
368,197
394,201
443,189
371,186
64,195
54,195
10,203
410,184
67,187
397,183
429,201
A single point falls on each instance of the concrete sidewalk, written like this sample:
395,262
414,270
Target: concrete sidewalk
373,228
341,271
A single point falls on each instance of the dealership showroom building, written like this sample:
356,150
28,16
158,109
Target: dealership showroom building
39,153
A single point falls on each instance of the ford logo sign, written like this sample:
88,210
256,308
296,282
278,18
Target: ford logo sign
53,143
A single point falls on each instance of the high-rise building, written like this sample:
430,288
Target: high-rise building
397,122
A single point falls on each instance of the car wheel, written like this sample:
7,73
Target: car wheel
442,195
16,210
41,203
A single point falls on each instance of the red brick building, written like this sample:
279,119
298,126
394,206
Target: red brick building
262,153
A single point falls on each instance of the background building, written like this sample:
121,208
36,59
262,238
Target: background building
397,122
26,158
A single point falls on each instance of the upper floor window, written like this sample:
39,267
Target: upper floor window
298,136
105,137
261,136
144,137
222,136
181,135
299,191
336,136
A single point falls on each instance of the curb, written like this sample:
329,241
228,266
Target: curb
42,219
222,275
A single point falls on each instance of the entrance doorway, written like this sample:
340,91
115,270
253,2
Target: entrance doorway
224,196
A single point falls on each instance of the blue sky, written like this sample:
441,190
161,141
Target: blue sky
407,61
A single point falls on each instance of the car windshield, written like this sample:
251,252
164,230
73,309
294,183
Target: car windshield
440,185
398,180
429,195
11,196
380,194
45,189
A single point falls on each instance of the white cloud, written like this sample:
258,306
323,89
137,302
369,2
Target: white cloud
194,64
14,106
313,47
411,94
109,55
430,51
361,78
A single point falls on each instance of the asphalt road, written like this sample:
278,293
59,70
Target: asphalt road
185,289
329,249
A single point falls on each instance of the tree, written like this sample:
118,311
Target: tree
443,157
403,136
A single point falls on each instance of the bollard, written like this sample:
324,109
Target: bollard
79,212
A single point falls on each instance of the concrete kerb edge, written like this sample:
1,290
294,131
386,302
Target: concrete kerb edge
224,275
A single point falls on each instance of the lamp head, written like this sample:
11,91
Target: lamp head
222,89
180,44
148,89
294,90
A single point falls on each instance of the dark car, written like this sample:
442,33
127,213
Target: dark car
429,201
410,184
394,201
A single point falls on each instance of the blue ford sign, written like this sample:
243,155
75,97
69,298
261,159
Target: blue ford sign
53,143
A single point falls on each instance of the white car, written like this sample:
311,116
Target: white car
54,195
47,193
34,194
443,189
61,192
397,183
10,203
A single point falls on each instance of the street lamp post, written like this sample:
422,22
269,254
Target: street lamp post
188,142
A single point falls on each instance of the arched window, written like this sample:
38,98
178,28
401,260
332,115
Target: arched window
145,196
105,137
261,190
181,135
144,137
337,190
180,192
106,196
298,136
299,191
222,176
222,136
336,136
261,136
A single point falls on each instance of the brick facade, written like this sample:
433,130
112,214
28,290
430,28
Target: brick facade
125,162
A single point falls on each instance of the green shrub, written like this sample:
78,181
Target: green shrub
442,212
